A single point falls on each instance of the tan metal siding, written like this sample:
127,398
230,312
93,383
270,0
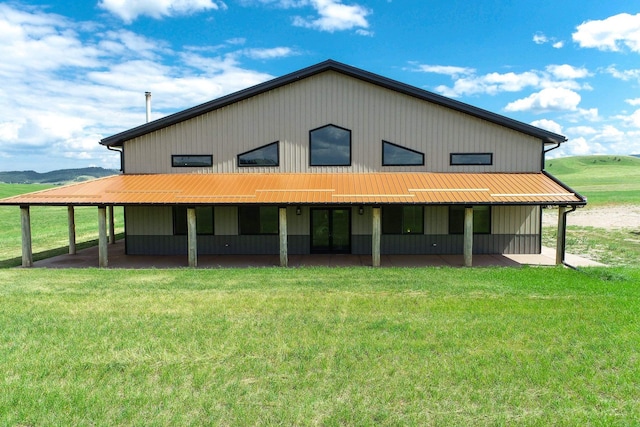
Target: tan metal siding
225,220
436,220
149,220
372,113
298,225
516,220
362,224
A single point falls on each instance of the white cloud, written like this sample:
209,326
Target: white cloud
539,38
581,130
579,147
334,16
624,75
130,10
549,99
549,125
605,140
567,72
275,52
633,102
72,84
448,70
632,119
331,15
468,83
612,34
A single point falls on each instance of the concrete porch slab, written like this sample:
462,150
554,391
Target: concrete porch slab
88,258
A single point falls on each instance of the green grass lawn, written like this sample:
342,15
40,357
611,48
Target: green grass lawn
604,180
320,346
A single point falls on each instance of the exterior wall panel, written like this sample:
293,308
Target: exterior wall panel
149,220
372,113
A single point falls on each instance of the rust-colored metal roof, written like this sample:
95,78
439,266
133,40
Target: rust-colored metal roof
325,188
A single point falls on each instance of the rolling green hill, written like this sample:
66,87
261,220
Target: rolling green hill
602,179
55,177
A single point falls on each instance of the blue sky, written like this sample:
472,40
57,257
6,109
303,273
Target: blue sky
73,72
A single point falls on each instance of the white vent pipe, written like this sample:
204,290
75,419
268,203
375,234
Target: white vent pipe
148,97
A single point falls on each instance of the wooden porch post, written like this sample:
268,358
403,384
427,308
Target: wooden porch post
284,249
375,237
72,229
27,252
560,241
468,237
112,226
103,251
192,240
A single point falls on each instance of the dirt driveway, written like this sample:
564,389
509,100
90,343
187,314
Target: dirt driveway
609,217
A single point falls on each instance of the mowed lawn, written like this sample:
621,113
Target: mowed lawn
320,346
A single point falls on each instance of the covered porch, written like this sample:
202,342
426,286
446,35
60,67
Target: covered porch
372,190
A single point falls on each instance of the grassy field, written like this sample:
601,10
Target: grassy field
320,346
48,227
604,180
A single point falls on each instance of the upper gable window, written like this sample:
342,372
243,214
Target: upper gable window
191,160
471,159
330,146
396,155
267,155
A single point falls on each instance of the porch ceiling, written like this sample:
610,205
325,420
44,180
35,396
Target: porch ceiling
321,188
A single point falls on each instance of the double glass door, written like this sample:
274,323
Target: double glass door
331,230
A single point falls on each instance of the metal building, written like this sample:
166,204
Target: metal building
328,159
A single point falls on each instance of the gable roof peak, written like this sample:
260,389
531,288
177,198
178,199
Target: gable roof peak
348,70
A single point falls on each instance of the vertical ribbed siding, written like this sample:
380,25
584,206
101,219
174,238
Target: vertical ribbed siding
436,220
149,220
372,113
516,219
225,220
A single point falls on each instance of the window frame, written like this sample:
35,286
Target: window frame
460,163
463,207
402,148
402,227
174,218
277,164
184,165
259,233
330,165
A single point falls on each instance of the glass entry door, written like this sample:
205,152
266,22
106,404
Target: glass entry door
331,230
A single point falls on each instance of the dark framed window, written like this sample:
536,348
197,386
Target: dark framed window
204,220
396,155
481,219
267,155
471,159
258,220
398,219
191,160
330,145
